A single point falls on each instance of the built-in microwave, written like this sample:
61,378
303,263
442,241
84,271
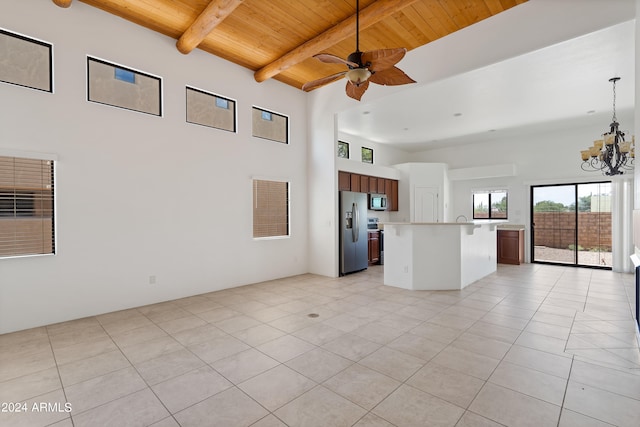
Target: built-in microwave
377,202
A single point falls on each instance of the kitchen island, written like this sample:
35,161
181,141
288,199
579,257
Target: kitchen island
439,256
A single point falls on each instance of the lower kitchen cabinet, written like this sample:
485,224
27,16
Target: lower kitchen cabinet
511,246
374,247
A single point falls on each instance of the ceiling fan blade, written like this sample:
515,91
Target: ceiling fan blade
382,59
393,76
356,92
323,81
332,59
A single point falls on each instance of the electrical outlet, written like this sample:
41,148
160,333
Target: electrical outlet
152,280
406,268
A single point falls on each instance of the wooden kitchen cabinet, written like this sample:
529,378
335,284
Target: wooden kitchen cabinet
373,184
344,181
355,183
391,190
348,181
511,246
394,196
374,247
364,183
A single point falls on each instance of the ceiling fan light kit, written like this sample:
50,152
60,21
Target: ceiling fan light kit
611,155
357,76
377,66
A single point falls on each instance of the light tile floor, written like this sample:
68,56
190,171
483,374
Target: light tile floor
531,345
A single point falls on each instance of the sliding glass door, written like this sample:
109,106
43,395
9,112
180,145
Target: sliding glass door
571,224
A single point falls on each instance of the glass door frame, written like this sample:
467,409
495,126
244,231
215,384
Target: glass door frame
576,238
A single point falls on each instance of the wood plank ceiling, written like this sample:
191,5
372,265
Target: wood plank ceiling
277,38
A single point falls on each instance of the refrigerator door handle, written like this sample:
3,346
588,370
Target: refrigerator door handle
355,230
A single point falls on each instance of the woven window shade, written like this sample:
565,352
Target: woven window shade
26,207
270,208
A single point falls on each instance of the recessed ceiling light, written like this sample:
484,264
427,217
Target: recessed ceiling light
405,129
366,112
591,111
492,130
457,114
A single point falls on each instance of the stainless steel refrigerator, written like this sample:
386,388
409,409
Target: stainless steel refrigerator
354,255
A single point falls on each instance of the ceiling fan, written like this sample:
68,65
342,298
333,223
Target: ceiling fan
377,66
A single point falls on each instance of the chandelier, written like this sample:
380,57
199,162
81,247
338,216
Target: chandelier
612,154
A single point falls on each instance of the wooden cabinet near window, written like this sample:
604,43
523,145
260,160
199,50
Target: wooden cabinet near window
373,184
355,183
344,181
374,247
511,246
364,183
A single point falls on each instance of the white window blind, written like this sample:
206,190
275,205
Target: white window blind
270,208
26,207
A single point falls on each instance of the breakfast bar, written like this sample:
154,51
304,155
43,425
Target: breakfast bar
439,256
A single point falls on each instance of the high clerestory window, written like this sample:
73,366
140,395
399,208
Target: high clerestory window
269,125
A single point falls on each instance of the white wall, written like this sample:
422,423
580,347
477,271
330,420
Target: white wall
140,195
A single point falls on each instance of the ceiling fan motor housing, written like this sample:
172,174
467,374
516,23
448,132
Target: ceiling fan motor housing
356,58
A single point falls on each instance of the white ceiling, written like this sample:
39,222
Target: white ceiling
560,84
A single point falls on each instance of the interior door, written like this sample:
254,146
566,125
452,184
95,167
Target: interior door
425,204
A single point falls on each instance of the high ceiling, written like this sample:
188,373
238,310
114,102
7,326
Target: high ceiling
277,38
557,82
564,85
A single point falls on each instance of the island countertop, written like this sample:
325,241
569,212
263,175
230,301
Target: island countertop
439,255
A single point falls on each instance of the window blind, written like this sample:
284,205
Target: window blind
26,206
270,208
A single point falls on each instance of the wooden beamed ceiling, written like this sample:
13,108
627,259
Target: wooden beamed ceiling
277,38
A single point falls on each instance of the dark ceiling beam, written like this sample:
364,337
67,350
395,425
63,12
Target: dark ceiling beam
378,11
63,3
215,12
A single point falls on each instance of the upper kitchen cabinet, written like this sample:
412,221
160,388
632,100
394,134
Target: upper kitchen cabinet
373,184
355,182
364,183
391,190
344,181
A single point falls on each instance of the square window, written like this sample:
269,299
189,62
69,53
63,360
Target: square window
343,149
367,155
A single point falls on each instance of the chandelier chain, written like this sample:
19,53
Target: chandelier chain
614,101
